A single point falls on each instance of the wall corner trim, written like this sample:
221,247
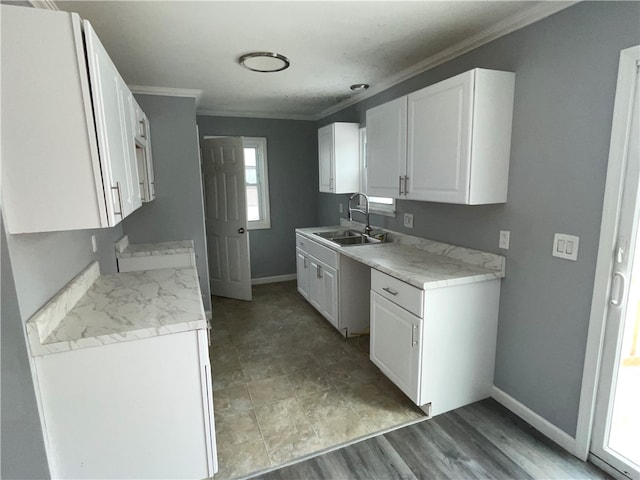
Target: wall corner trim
167,91
545,427
276,279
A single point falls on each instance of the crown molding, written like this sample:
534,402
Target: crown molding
497,30
275,116
167,91
44,4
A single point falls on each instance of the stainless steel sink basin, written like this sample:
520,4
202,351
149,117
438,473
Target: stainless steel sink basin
359,240
338,234
346,238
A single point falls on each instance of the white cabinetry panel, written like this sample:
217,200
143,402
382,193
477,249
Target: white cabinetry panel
67,141
338,156
386,148
449,142
395,346
138,409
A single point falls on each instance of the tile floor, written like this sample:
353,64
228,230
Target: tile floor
287,384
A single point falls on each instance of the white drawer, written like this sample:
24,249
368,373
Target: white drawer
407,296
325,254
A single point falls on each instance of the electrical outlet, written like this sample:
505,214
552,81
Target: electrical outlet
408,220
505,236
94,244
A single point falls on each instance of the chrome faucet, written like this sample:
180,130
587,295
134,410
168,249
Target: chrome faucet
367,228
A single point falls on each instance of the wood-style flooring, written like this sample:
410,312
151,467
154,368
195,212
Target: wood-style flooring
479,441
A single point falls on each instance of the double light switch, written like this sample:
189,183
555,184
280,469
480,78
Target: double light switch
565,246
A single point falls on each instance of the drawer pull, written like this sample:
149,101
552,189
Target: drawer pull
389,290
414,342
305,261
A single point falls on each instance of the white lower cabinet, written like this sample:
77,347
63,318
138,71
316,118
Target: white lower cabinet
135,409
395,346
336,286
437,345
302,267
323,290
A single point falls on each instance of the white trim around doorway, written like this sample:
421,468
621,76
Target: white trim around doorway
629,60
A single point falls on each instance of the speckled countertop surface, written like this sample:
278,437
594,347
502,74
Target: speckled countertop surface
423,263
96,309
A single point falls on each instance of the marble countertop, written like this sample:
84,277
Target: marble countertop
126,250
94,309
423,263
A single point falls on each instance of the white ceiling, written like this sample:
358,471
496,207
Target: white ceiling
331,45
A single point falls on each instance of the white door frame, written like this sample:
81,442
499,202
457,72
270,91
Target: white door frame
627,72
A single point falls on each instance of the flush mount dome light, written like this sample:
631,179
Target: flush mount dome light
359,87
264,62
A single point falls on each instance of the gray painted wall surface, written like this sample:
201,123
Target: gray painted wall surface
566,70
177,213
22,452
292,156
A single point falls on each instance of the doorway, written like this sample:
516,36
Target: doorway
616,421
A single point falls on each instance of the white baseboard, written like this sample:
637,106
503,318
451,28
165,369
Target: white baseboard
545,427
277,278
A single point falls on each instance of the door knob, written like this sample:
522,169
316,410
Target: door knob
241,230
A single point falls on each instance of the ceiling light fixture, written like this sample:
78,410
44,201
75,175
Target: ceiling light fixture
359,87
264,62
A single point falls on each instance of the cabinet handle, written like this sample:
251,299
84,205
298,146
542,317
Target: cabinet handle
400,185
621,284
414,342
304,261
389,290
117,188
406,183
318,271
153,188
143,130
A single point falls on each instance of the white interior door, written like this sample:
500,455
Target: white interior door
226,217
616,427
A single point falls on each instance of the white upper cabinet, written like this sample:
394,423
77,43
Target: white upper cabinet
338,155
457,143
68,156
386,148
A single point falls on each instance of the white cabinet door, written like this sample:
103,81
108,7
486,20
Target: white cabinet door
325,158
329,279
144,160
108,93
135,180
302,268
396,347
439,126
387,148
316,285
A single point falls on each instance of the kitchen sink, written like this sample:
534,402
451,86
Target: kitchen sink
347,238
338,234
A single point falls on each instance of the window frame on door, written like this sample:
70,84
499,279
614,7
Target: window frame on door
262,182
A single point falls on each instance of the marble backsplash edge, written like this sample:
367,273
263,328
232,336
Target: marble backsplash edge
471,256
45,320
122,244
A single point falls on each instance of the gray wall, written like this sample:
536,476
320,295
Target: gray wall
177,213
292,156
22,447
566,69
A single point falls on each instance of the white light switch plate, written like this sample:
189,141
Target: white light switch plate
94,245
408,220
505,236
565,246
